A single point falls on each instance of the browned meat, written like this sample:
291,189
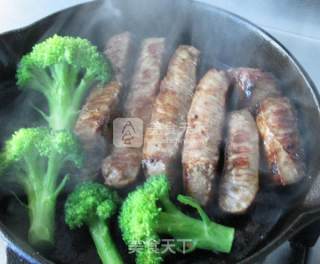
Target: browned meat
146,79
121,168
240,182
200,153
101,104
252,86
117,51
277,125
164,136
95,114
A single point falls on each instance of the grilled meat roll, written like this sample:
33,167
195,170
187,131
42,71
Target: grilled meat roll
164,135
118,50
100,105
240,181
252,86
121,168
95,114
277,124
203,136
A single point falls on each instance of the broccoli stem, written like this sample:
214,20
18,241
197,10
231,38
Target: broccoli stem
54,166
60,109
66,99
101,236
42,217
63,114
65,94
207,236
42,205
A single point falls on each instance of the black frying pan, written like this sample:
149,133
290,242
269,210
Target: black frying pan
225,40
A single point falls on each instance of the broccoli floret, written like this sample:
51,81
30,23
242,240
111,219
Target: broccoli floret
63,69
92,204
148,212
33,158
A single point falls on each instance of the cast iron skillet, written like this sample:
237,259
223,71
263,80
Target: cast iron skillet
225,40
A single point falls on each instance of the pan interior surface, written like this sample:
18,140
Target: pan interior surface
225,41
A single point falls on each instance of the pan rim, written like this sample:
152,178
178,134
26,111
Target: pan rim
32,256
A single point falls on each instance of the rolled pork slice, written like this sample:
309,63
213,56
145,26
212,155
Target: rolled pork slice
240,181
95,114
252,86
203,136
117,50
100,106
122,167
164,135
277,124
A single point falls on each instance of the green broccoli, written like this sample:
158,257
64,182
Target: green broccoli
148,212
92,204
63,69
33,158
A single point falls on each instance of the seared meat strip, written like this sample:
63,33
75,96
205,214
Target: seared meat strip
277,124
100,104
164,136
240,182
146,79
200,153
117,51
94,115
121,168
252,86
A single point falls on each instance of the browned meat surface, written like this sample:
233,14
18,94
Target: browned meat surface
277,125
164,136
240,181
101,104
117,51
95,114
252,86
121,168
203,136
146,79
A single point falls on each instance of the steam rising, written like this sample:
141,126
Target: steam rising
223,42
